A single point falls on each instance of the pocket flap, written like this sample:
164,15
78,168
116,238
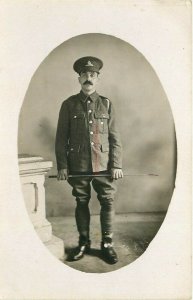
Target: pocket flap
74,148
105,147
101,115
78,115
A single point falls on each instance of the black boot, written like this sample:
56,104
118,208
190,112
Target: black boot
83,247
108,252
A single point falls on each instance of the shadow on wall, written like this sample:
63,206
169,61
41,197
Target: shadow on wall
46,134
142,110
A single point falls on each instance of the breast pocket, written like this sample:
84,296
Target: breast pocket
77,121
102,121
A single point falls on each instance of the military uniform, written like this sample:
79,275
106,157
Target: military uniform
87,142
87,139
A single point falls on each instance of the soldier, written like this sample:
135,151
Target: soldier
88,143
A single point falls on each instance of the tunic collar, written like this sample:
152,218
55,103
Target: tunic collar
92,97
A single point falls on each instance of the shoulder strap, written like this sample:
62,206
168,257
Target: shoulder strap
107,100
108,103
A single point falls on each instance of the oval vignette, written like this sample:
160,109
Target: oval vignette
149,146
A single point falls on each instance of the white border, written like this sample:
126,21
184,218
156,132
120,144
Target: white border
30,30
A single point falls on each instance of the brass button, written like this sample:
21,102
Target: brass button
88,101
75,117
90,111
90,122
91,132
102,122
92,143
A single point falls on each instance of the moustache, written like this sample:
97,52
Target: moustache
88,82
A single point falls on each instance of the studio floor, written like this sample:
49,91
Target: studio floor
133,233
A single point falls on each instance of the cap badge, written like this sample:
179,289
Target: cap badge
89,64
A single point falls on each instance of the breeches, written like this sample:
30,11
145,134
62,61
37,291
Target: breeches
105,189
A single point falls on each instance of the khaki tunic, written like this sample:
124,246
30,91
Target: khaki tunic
87,139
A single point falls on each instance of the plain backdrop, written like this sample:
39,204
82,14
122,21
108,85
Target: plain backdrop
142,111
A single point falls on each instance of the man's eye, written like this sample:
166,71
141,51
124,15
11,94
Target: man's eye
93,75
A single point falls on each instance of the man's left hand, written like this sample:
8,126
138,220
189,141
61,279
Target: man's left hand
116,173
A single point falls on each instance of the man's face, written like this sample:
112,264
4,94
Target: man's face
88,81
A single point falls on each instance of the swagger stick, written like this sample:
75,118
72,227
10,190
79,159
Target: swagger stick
101,175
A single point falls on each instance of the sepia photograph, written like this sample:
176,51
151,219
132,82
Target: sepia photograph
95,115
96,150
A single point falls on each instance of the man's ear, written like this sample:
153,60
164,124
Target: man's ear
79,79
98,78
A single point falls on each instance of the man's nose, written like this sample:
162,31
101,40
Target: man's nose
88,76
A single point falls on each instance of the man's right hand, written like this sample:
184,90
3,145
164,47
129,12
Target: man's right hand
62,174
